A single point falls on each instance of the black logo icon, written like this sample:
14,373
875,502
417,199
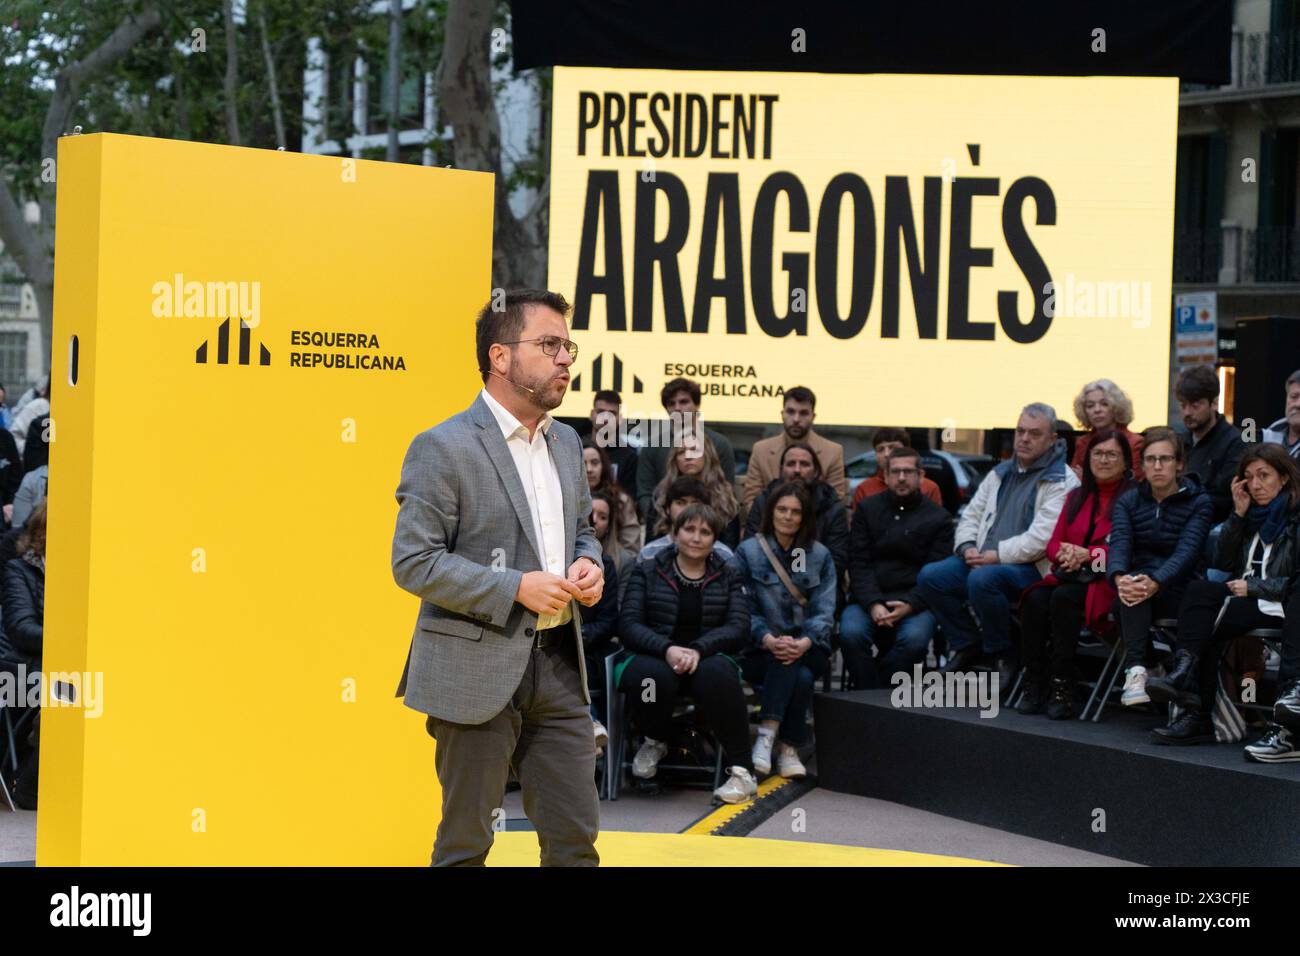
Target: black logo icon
597,366
223,347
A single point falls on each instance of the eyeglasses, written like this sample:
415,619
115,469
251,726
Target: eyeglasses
550,344
1107,455
1160,460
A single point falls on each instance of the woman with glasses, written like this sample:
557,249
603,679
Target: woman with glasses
1077,590
1260,545
1102,406
1157,537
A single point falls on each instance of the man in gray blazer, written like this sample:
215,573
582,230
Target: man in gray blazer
494,535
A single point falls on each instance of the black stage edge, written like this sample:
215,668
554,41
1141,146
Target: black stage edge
1203,805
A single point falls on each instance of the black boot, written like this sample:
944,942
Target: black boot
1190,727
1033,694
1179,686
1061,705
1286,709
963,660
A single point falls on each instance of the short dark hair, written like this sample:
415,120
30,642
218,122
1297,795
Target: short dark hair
1164,433
904,452
807,532
607,395
701,511
686,487
804,446
891,434
507,323
1196,383
802,395
692,388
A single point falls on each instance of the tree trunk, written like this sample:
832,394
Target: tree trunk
272,85
394,103
231,85
465,91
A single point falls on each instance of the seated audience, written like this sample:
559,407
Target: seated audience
800,462
683,618
797,414
792,583
682,492
1077,591
600,477
1001,547
23,635
606,415
1157,538
700,462
1103,406
30,491
893,536
604,521
1260,543
681,400
883,442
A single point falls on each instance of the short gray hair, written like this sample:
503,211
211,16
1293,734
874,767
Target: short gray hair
1041,410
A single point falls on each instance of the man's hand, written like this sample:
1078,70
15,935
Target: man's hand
588,577
879,614
1238,588
897,611
978,559
544,593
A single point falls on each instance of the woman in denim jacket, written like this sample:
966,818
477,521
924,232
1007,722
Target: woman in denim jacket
791,638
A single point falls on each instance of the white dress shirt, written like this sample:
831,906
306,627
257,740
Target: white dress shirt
541,482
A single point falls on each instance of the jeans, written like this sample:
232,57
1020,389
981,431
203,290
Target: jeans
990,589
912,636
787,690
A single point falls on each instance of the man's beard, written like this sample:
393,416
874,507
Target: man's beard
542,393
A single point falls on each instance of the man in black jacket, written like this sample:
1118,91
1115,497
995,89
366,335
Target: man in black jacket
1216,444
893,536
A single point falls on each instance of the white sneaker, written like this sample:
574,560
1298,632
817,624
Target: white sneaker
646,762
740,788
1135,687
788,763
762,753
602,735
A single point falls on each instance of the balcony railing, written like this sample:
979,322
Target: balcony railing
1258,59
1232,255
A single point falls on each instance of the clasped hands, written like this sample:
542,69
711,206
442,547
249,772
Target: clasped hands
1135,588
544,593
785,648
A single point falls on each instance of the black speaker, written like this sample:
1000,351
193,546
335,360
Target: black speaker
1268,350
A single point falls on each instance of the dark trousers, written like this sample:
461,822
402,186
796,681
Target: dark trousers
787,690
544,733
1198,632
1050,619
1135,623
652,687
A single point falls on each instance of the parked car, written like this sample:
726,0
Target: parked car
957,474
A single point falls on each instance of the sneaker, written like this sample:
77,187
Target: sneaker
762,753
739,788
1276,746
646,762
1135,687
788,763
602,735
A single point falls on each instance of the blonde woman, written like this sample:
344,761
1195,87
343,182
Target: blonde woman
700,461
1103,406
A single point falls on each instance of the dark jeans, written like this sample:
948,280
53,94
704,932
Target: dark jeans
715,687
1198,632
1135,623
1050,619
787,690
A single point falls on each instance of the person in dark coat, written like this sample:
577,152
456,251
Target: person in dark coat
1260,546
11,473
23,588
800,463
1215,443
684,615
1157,539
894,535
599,625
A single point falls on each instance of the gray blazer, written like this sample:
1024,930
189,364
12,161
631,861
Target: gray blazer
464,539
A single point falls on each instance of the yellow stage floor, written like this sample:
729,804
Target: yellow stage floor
519,848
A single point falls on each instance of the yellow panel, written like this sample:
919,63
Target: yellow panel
219,543
1100,150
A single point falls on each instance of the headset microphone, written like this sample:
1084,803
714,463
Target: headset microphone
511,381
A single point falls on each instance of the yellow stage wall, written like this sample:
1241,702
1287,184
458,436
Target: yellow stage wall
219,534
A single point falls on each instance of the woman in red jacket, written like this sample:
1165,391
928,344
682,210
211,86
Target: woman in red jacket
1076,591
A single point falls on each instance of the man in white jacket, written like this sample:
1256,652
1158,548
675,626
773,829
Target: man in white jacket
1001,543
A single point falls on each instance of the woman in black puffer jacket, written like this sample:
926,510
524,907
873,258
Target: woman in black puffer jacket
684,612
1260,547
